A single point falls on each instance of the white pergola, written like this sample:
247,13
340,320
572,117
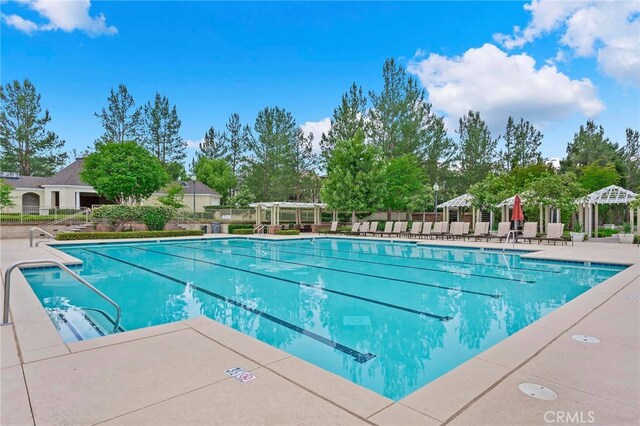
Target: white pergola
613,194
462,202
298,207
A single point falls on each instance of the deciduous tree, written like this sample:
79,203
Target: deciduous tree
123,172
216,174
403,178
5,195
28,148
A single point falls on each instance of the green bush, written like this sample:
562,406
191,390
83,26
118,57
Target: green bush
69,236
287,232
242,231
154,217
234,226
607,232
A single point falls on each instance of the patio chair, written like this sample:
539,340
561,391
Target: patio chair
416,229
388,227
332,230
440,228
529,232
397,229
554,233
426,230
480,231
355,228
457,229
503,231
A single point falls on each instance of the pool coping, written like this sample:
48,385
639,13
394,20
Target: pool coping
469,381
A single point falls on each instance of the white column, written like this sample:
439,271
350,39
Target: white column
595,224
491,219
77,200
559,217
541,219
631,218
334,216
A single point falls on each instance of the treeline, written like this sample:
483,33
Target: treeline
385,149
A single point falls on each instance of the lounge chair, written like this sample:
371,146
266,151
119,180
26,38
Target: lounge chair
416,229
529,232
373,228
503,231
440,228
465,228
397,229
332,230
480,231
363,229
426,230
388,227
355,228
457,229
554,233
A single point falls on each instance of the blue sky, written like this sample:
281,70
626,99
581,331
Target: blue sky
212,59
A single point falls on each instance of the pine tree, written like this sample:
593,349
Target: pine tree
212,146
236,140
437,150
347,119
632,160
522,145
121,120
162,131
304,163
477,149
399,114
591,146
28,148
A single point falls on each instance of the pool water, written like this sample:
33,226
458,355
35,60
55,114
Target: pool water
388,316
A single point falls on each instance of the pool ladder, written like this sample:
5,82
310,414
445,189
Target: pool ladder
511,234
43,262
35,228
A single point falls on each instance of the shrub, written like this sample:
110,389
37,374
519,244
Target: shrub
69,236
234,226
242,231
607,232
154,217
287,232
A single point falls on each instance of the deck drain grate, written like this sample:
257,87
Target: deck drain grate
537,391
585,339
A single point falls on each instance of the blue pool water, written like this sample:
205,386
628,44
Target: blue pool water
388,316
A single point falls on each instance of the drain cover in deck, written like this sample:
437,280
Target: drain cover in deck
537,391
585,339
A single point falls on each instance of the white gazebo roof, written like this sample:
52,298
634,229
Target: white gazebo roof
509,202
288,205
461,201
610,195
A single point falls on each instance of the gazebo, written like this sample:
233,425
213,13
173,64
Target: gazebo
461,202
613,194
275,208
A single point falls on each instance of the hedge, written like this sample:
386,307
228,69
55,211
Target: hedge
242,231
287,232
154,217
234,226
70,236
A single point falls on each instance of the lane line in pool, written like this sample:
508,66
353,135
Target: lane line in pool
357,355
479,293
471,274
413,258
300,283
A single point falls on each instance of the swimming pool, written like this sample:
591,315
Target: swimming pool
388,316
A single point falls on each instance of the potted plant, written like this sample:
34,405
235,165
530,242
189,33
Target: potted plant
626,237
577,235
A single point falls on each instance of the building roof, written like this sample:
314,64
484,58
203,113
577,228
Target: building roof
70,175
288,205
464,200
34,182
610,195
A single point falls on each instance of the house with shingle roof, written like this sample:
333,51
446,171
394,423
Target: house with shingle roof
65,190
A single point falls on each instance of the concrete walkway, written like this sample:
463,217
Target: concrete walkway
175,373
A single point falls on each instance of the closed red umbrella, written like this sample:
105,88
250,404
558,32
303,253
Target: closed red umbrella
517,213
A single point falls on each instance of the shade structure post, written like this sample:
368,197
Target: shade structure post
559,216
541,219
581,216
258,208
473,217
491,219
595,224
547,217
631,218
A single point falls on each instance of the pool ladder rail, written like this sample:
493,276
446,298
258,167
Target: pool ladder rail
260,229
45,262
35,228
513,235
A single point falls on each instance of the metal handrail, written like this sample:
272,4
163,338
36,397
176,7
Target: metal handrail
7,287
84,213
35,228
259,229
512,233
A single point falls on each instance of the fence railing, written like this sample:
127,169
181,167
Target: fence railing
39,214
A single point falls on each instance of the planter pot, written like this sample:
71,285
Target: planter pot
626,238
577,237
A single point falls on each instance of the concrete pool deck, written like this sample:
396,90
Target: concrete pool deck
174,373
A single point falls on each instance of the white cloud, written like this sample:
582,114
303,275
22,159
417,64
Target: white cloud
20,23
606,30
488,80
316,128
63,15
191,144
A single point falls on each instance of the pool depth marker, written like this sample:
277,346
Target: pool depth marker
359,357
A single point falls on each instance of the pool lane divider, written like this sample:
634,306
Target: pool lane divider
478,293
302,284
471,274
358,356
418,258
